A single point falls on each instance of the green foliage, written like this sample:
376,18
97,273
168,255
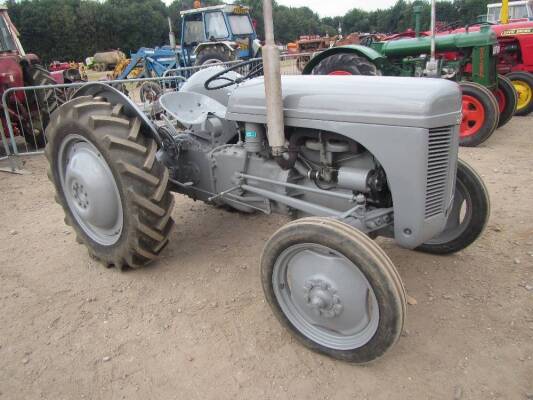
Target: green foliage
75,29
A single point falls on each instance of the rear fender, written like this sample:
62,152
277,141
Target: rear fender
370,54
117,97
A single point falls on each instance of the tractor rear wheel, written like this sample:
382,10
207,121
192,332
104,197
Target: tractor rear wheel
334,289
523,83
469,215
346,64
213,55
109,182
480,114
49,99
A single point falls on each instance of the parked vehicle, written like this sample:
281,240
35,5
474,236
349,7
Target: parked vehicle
29,114
469,58
351,158
513,24
210,35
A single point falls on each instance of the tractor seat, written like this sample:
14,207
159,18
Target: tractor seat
191,108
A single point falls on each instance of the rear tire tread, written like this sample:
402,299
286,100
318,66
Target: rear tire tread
131,155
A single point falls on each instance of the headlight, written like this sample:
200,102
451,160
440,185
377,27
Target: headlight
496,50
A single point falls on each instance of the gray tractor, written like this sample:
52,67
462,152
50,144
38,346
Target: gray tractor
345,165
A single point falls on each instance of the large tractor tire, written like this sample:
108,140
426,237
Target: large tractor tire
480,114
507,100
469,215
334,289
523,83
346,64
213,55
109,182
49,99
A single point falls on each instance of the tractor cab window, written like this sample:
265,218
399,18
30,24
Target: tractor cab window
193,32
518,11
215,26
240,24
6,39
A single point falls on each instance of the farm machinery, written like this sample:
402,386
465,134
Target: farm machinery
513,24
469,58
29,114
210,35
349,158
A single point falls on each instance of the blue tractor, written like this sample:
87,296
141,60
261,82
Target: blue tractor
217,34
209,35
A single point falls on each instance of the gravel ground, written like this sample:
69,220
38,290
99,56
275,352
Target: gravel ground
195,326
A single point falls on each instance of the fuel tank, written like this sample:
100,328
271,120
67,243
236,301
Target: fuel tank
408,102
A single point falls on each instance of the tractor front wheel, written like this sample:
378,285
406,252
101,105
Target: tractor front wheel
480,114
507,100
468,217
108,180
523,83
334,289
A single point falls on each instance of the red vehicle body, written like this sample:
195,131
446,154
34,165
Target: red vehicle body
515,59
28,114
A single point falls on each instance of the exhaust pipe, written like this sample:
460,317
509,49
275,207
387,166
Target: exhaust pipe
272,71
432,67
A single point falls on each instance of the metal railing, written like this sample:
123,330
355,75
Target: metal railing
27,110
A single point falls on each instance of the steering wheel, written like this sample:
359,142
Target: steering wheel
253,71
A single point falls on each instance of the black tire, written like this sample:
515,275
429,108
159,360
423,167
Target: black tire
213,54
525,82
476,131
371,261
509,98
49,100
140,178
473,190
348,63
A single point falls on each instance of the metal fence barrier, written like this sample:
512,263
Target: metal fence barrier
27,110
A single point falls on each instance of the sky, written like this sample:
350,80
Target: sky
333,8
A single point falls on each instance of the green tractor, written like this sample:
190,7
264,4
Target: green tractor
469,58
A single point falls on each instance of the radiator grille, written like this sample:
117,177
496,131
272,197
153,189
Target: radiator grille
440,141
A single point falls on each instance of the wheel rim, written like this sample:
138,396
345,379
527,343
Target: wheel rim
525,94
90,190
473,116
325,296
339,72
460,216
502,102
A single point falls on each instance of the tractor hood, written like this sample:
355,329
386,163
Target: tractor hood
411,102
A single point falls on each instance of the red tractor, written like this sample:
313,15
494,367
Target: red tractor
29,113
513,24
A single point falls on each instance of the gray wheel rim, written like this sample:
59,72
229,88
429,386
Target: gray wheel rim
90,190
325,296
460,216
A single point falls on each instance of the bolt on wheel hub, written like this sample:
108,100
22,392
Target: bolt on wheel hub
323,298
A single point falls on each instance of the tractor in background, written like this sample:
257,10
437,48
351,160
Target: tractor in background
210,35
29,114
469,58
513,24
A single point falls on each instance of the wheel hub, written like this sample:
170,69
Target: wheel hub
323,298
90,190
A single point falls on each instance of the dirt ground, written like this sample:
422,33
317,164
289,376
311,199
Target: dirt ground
195,324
